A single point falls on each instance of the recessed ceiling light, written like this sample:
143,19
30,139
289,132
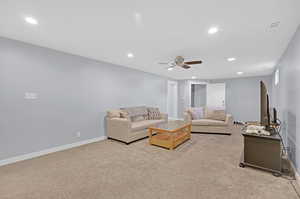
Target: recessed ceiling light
231,59
194,77
213,30
240,73
31,20
138,17
130,55
170,68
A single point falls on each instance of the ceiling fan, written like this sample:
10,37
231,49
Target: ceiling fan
179,61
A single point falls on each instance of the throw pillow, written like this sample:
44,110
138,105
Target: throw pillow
216,114
113,113
153,114
136,111
124,114
146,116
197,113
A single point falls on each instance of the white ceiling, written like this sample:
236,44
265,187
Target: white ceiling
159,30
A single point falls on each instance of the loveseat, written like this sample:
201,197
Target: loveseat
130,124
207,120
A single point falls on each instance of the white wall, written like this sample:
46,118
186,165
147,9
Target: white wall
172,99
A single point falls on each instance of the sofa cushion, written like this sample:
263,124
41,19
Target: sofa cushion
197,113
141,125
153,113
114,113
215,114
208,122
137,118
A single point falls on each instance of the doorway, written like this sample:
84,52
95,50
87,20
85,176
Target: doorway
211,95
198,95
172,99
216,95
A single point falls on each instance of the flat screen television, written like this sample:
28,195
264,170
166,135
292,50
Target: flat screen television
264,106
274,116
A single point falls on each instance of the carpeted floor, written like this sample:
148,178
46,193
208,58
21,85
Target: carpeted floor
204,167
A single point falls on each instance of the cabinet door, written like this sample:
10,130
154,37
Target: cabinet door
216,95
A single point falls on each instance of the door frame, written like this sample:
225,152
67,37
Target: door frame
190,82
174,100
223,102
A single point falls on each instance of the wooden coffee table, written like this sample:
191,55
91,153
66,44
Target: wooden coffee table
170,134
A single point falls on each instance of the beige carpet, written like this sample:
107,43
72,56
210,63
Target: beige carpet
205,167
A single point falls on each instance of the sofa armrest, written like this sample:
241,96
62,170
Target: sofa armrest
187,116
118,128
229,120
164,116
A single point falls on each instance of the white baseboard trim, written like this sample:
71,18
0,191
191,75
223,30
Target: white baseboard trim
50,150
297,176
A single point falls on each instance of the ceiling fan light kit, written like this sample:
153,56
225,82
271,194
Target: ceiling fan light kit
179,61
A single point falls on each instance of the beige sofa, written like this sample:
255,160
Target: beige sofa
208,124
130,124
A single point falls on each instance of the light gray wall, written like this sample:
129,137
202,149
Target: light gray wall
74,94
199,95
193,95
242,96
287,97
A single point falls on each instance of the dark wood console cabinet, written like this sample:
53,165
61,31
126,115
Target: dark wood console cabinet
262,152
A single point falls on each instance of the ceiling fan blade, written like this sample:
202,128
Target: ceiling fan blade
170,67
186,66
193,62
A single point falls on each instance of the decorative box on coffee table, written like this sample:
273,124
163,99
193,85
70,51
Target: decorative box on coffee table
170,134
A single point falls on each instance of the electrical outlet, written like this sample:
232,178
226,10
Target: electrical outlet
78,134
30,96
